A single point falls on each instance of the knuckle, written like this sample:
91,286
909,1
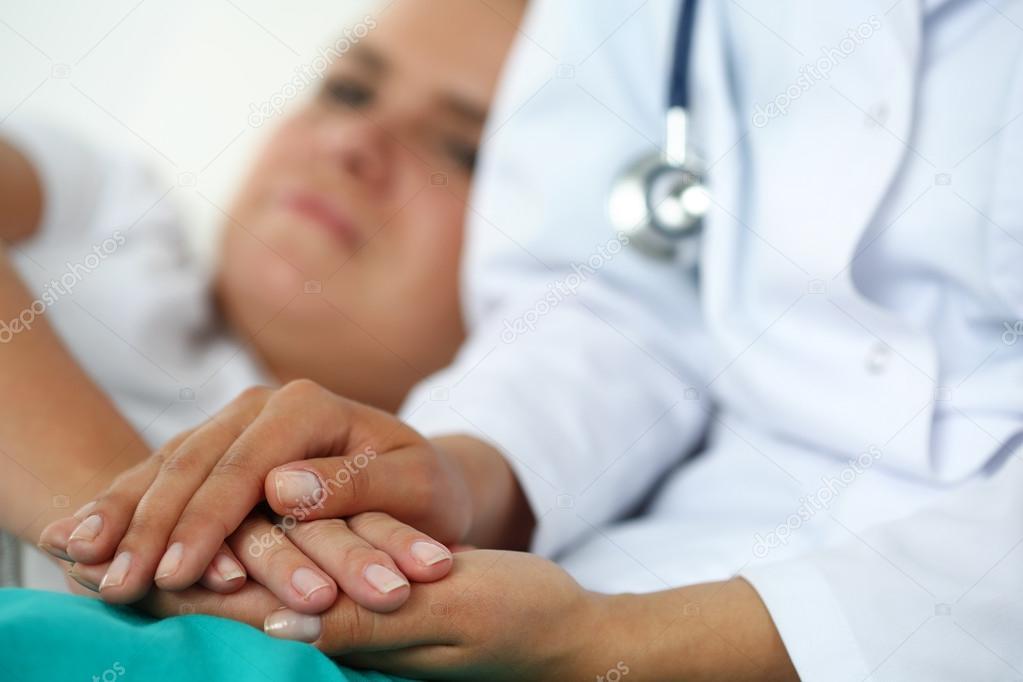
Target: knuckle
353,625
160,456
397,535
301,389
263,544
115,501
369,522
322,532
383,528
234,466
359,485
349,486
182,463
253,394
356,556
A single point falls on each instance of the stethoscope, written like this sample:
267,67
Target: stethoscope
659,201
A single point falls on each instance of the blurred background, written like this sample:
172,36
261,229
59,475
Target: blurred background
191,86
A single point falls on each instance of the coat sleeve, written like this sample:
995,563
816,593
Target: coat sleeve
577,365
937,595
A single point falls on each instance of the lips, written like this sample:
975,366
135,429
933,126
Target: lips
324,213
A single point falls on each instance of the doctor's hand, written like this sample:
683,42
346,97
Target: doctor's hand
497,616
515,616
312,455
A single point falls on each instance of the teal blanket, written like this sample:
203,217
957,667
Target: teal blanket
46,636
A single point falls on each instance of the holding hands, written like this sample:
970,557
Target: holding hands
309,516
194,512
274,507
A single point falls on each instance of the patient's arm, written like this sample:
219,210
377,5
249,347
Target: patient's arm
21,198
61,439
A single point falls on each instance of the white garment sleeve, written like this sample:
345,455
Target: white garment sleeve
576,365
112,266
935,596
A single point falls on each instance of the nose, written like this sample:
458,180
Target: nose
360,149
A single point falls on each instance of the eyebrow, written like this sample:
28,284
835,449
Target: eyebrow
461,107
370,58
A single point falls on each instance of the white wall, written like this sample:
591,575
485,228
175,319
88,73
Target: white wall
171,80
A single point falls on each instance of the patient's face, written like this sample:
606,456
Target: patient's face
341,256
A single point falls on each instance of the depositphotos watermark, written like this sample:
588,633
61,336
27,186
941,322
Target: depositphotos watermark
563,288
817,501
614,674
352,467
1013,332
74,273
114,672
308,74
816,71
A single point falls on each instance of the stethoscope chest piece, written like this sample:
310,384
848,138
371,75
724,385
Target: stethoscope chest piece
659,205
659,202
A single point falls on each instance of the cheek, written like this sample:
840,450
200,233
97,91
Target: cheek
254,272
284,149
432,237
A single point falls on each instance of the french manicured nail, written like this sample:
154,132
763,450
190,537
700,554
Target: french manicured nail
117,572
383,579
54,551
286,624
81,580
88,529
428,553
228,568
84,511
297,488
307,581
171,561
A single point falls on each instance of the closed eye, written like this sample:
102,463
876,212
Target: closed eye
347,92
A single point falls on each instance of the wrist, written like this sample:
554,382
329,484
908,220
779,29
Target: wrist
707,631
499,515
599,646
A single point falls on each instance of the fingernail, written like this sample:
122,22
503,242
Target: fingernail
307,581
428,553
54,551
297,488
83,512
88,529
81,580
383,579
286,624
171,560
228,568
117,572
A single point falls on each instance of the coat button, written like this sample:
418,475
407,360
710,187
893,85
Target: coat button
878,357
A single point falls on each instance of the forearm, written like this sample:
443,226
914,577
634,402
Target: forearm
711,632
21,200
61,439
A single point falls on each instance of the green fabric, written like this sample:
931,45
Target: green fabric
46,637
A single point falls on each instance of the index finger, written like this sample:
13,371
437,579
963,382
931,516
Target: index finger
302,420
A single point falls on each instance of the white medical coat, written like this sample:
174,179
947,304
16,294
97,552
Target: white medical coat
833,406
